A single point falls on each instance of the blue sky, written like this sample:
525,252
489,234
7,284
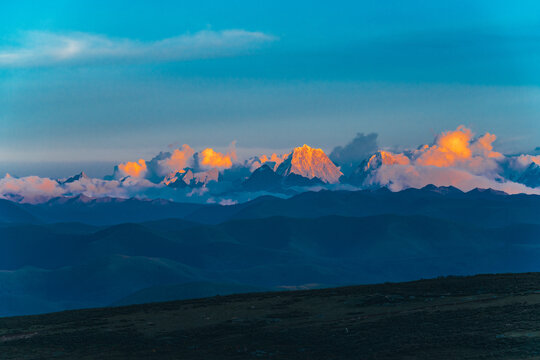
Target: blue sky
118,80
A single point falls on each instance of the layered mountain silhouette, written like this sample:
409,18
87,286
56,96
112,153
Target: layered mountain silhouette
266,179
83,252
479,206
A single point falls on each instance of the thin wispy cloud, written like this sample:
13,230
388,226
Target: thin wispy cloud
38,48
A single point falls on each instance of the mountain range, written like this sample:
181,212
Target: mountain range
86,252
485,207
184,176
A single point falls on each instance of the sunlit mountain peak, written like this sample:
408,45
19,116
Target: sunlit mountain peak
310,163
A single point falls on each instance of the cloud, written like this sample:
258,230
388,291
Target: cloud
456,158
387,158
166,165
208,158
458,148
132,168
356,151
34,189
39,48
523,161
399,177
273,161
177,161
29,189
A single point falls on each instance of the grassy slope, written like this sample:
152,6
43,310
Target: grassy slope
487,316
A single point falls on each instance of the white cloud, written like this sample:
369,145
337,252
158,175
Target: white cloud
34,189
399,177
39,48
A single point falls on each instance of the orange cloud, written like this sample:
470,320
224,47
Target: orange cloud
456,158
274,158
454,147
484,145
450,147
386,158
178,160
210,158
132,168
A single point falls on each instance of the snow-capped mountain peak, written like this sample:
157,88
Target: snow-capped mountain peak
310,163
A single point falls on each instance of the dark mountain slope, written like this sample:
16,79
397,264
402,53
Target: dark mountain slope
10,212
480,317
193,290
97,282
480,208
108,211
80,270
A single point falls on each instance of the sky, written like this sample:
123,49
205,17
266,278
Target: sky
101,82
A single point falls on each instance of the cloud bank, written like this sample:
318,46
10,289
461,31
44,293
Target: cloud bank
455,158
39,48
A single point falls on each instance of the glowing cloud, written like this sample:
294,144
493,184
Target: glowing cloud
455,159
133,169
454,147
213,159
386,158
399,177
274,160
178,160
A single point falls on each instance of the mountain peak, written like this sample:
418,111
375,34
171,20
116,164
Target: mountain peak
79,176
263,178
382,157
189,178
310,163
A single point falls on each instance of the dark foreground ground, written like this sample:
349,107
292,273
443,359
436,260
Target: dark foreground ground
480,317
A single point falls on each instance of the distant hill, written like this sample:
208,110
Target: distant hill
107,211
10,212
480,206
68,268
82,252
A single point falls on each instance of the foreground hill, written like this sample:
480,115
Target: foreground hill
480,317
